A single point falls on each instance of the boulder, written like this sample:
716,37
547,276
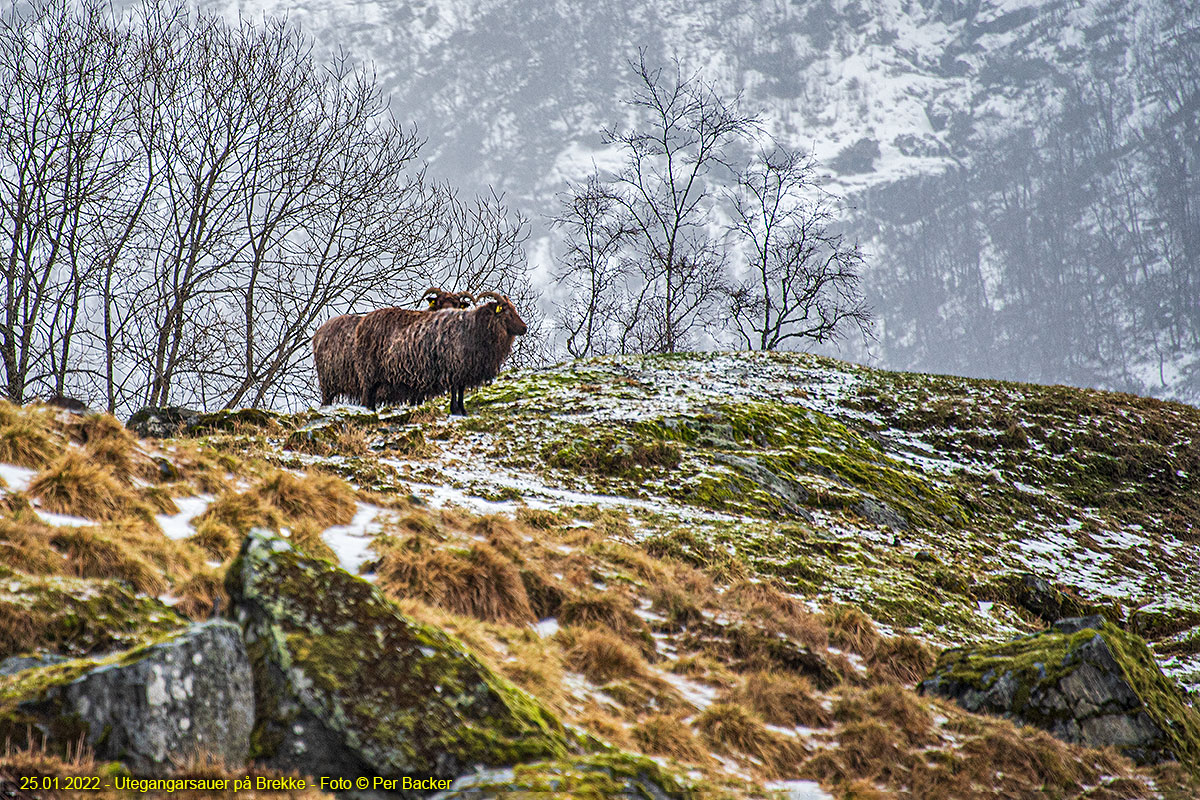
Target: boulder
1085,681
347,684
163,422
187,694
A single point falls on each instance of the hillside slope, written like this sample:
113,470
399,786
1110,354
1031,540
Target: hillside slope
739,564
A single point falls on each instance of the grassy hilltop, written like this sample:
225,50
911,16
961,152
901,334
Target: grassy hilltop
737,564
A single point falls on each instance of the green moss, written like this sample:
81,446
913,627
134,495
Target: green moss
595,777
1043,659
77,616
410,692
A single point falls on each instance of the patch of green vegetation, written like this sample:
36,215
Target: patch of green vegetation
595,777
76,616
411,695
1040,661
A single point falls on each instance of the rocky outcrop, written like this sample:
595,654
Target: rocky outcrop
159,423
186,695
1084,680
348,685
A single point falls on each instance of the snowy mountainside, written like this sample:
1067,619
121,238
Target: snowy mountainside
995,152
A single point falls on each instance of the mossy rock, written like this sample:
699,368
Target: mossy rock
1043,599
147,706
1084,680
76,616
344,679
597,777
229,421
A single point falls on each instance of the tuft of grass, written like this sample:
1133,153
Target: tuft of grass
851,629
900,709
321,499
604,657
107,442
667,735
610,609
73,485
100,552
25,545
25,437
236,512
781,698
307,537
216,538
903,659
478,581
732,729
202,594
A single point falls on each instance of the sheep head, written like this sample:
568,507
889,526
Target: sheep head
440,299
503,309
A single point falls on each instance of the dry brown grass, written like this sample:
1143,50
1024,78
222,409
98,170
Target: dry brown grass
902,659
703,668
866,750
781,698
25,545
612,609
215,538
901,709
536,665
323,500
732,729
667,735
125,550
202,594
26,436
73,485
599,721
238,512
158,498
93,553
476,581
107,442
603,656
307,537
540,518
850,629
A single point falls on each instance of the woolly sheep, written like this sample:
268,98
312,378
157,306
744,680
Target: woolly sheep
450,351
333,343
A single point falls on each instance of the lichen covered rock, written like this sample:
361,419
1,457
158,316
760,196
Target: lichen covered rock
345,681
76,616
1084,680
617,775
190,693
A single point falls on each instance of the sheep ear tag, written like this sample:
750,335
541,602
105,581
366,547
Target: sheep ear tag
499,308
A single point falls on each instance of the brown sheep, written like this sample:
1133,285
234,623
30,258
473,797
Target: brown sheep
450,351
333,344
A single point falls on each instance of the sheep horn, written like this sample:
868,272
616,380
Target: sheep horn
432,294
468,297
499,297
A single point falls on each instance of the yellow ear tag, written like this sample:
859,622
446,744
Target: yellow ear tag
499,308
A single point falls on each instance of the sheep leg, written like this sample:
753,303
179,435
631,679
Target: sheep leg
368,396
456,401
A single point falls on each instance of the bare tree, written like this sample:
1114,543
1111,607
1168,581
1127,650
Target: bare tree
664,195
61,109
591,270
802,278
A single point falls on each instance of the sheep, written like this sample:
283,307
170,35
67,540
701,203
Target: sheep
333,344
450,351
